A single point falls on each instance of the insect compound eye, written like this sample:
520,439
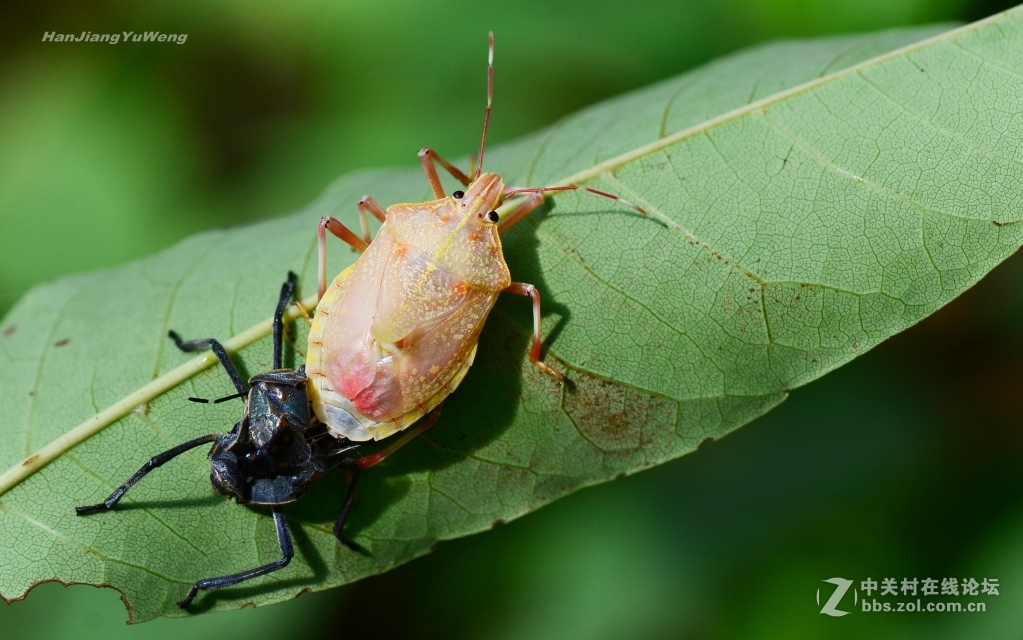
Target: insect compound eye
458,195
493,217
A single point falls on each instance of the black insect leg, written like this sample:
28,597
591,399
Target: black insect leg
287,289
218,349
153,463
339,524
287,553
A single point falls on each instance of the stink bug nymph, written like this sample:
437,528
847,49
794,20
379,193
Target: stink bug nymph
272,455
396,332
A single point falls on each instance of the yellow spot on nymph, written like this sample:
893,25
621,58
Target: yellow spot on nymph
400,249
343,311
474,236
445,219
434,369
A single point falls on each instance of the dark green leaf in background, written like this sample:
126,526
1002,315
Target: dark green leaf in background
808,200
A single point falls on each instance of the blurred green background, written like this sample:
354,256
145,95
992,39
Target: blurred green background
904,463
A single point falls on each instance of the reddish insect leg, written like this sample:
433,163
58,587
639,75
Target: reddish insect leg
427,158
524,289
366,205
366,462
520,212
328,223
356,467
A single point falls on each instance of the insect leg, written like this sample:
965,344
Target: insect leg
154,462
366,205
353,466
287,553
358,465
340,231
366,462
520,212
427,158
287,289
218,349
524,289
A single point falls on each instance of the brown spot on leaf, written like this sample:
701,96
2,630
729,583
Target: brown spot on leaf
61,343
705,441
9,331
497,522
30,460
612,415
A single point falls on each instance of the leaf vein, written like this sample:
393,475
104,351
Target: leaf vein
106,559
47,349
949,132
829,164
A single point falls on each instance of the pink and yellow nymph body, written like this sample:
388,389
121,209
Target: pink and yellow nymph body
395,333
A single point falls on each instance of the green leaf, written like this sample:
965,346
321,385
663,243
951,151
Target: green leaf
807,199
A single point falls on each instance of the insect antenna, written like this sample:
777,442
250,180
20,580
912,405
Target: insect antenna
490,100
230,397
218,400
537,197
572,187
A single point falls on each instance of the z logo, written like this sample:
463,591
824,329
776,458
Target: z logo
841,586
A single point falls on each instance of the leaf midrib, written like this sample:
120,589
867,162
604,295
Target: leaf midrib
96,423
608,166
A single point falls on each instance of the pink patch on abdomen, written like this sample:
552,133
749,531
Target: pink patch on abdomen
353,382
369,384
372,402
350,371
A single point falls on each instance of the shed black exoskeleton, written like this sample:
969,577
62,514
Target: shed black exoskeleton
272,455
